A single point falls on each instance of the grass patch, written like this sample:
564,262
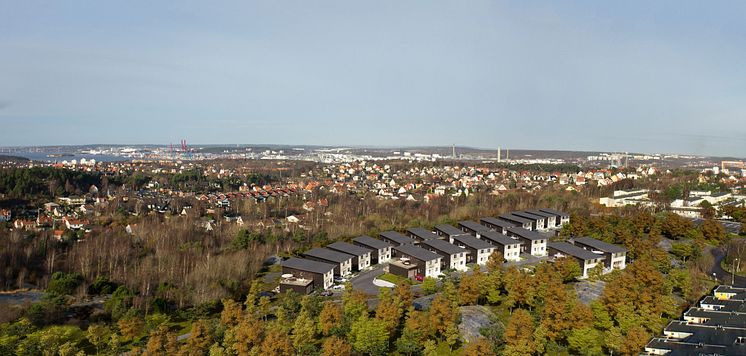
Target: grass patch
389,277
729,268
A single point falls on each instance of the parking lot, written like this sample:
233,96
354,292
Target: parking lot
589,291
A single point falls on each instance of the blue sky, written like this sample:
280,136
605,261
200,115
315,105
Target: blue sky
662,76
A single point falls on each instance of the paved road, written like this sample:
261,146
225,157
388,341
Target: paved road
364,280
722,275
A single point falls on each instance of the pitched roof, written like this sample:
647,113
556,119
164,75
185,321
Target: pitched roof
572,250
471,225
555,212
371,242
442,246
495,221
515,219
526,234
472,241
329,255
397,237
527,215
498,238
417,252
541,213
599,245
449,230
348,248
422,233
307,265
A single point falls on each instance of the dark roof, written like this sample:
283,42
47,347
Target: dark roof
527,215
526,234
348,248
371,242
417,252
498,238
329,255
442,246
726,319
555,212
471,241
599,245
681,348
449,230
705,334
422,233
307,265
471,225
572,250
515,219
495,221
397,237
541,213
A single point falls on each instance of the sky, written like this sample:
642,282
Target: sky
637,76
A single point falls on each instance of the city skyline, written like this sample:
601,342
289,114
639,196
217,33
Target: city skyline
638,77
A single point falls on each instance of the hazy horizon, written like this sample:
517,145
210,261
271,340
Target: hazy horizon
635,76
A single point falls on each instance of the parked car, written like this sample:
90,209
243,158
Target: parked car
339,287
419,278
327,293
338,279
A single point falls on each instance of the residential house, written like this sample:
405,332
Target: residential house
537,222
586,259
421,234
447,232
396,238
380,250
549,219
426,263
479,250
472,228
533,242
303,275
342,261
496,224
361,255
615,256
517,221
561,218
509,247
454,257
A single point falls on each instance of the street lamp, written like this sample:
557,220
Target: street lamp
733,275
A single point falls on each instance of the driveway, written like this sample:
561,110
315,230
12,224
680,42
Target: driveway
364,280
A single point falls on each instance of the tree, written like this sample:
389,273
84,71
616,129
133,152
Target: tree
276,343
246,335
568,268
634,341
442,315
369,336
161,342
63,283
231,314
98,335
585,341
479,347
403,293
354,304
389,309
495,261
200,339
674,226
429,285
596,272
469,289
304,330
334,346
330,318
519,334
712,230
131,326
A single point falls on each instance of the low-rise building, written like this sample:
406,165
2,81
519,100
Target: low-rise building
533,242
495,224
517,221
454,257
472,228
615,257
421,234
510,248
380,250
427,263
549,219
342,261
298,271
586,259
479,250
447,232
360,255
396,239
561,217
538,222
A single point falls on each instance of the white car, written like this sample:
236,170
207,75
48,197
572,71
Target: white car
339,287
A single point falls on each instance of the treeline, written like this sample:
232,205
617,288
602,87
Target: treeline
45,182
